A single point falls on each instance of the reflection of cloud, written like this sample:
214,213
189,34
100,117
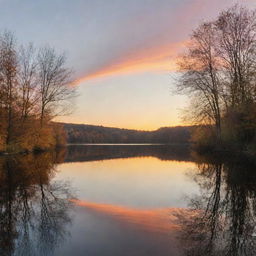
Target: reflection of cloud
153,220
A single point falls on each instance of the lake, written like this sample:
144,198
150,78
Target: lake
127,200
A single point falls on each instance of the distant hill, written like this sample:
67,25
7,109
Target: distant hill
81,133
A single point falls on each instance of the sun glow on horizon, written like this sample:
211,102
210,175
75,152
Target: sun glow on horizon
136,126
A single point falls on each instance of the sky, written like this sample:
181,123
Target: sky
123,53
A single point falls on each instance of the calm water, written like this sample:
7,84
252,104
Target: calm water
127,200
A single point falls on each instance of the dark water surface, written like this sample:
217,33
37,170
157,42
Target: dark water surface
127,200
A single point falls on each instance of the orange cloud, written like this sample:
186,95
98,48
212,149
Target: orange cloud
157,59
162,56
153,220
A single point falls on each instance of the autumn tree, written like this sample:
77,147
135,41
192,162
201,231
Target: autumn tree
35,87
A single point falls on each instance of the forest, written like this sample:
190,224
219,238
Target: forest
35,87
80,133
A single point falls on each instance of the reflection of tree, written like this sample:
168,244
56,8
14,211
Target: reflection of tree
224,221
81,153
34,211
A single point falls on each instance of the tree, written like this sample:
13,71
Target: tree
200,77
54,82
218,71
236,46
8,81
35,87
27,81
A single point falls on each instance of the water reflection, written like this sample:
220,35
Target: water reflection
135,182
127,198
96,152
225,221
34,212
162,220
130,201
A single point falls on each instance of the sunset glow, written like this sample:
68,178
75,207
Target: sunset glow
162,59
128,128
124,58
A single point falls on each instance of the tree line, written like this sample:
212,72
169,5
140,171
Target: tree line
79,133
219,73
35,87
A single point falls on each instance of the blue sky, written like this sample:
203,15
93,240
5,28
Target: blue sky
122,52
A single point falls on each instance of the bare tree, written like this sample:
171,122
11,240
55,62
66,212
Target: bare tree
236,46
218,71
54,82
8,79
27,80
199,66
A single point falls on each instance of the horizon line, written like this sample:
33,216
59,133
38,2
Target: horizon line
131,129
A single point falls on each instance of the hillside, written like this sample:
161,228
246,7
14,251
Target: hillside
80,133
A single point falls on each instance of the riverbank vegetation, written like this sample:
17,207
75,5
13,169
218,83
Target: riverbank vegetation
34,88
219,74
